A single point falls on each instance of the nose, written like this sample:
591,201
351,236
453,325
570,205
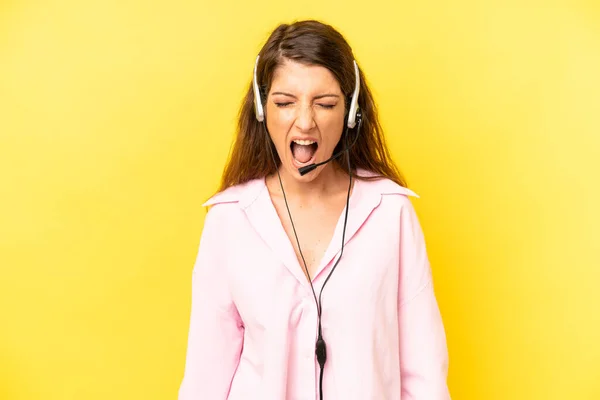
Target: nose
305,120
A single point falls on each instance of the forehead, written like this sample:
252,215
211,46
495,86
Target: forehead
301,78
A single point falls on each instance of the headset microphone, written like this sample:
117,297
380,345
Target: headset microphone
308,168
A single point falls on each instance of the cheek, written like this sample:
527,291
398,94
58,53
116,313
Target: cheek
332,129
279,123
279,118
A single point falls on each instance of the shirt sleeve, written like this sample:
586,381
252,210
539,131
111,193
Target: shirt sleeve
423,351
215,334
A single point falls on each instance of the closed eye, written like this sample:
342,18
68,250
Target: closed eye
285,104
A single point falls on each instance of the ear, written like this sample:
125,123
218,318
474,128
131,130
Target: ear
263,99
347,100
347,104
263,94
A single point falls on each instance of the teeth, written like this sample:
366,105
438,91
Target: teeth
304,142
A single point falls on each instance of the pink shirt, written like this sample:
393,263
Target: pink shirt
253,324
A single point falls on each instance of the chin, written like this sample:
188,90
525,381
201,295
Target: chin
330,168
292,169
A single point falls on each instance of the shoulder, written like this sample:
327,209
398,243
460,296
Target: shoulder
389,200
384,187
225,210
241,195
393,203
226,207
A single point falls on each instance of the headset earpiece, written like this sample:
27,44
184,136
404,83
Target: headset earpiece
258,106
352,113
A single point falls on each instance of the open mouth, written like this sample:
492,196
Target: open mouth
303,151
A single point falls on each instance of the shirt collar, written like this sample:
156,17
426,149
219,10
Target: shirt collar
253,198
245,194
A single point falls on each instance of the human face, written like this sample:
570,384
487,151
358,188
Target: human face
305,116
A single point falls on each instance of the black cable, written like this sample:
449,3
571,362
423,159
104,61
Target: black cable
320,347
290,215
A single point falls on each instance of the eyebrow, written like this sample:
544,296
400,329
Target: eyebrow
316,97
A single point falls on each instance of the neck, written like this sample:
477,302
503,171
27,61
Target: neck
330,181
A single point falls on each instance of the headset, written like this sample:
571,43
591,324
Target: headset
354,117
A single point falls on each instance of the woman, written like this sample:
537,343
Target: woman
316,284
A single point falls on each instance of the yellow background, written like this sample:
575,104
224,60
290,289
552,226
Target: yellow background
116,118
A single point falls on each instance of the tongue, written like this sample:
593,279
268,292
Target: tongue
302,153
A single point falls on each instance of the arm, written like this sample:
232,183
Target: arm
216,331
423,351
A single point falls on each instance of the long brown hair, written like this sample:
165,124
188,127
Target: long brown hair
313,43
